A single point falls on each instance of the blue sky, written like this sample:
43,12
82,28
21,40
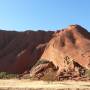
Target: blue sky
43,14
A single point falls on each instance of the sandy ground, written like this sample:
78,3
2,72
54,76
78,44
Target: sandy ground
13,83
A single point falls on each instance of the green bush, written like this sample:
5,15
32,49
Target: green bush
5,75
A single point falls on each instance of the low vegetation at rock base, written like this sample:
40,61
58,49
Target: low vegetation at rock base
5,75
88,73
42,61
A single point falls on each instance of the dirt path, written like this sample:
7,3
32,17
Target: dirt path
28,85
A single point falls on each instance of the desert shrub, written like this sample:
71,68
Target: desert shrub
88,73
49,75
41,61
5,75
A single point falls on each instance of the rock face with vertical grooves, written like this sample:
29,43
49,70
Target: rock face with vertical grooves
20,51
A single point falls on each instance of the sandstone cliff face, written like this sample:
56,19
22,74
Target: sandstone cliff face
19,51
73,43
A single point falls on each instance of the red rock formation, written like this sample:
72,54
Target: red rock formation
73,42
19,51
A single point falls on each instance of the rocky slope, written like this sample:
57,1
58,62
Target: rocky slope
72,43
19,51
63,50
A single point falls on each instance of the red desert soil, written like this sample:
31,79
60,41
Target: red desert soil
66,49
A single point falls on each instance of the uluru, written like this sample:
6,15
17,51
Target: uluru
64,52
